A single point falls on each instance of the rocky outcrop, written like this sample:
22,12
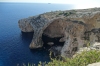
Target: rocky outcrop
56,50
94,64
25,25
75,27
95,46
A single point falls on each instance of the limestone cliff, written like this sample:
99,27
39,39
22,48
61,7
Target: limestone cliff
75,27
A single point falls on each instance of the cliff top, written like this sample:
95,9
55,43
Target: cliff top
75,13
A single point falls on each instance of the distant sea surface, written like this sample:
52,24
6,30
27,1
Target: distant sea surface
14,45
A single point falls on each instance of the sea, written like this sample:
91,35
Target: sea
14,44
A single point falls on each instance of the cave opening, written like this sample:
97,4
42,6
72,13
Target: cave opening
54,41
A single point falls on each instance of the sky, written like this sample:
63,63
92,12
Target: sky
78,3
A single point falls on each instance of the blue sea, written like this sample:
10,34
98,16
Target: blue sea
14,45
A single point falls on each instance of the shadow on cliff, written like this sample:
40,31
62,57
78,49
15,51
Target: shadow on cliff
47,39
27,36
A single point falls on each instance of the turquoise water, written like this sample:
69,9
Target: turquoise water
14,45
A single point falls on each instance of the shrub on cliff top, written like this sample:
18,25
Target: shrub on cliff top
67,13
83,59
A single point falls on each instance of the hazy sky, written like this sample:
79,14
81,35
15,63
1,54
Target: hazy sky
77,3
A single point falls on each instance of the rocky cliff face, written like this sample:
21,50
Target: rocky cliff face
75,27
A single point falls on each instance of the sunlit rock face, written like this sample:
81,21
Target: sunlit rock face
25,25
75,27
94,64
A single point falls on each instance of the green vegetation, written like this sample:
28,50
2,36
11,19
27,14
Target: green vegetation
82,59
67,13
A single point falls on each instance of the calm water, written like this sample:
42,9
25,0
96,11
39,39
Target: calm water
14,45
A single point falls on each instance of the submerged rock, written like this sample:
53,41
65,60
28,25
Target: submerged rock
76,27
50,43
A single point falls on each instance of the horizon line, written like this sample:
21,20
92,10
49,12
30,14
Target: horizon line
30,2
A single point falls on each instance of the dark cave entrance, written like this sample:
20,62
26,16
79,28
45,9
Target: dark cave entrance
55,40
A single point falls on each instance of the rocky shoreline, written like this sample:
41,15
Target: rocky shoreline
74,27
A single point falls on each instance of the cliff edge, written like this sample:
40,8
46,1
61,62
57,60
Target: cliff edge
75,27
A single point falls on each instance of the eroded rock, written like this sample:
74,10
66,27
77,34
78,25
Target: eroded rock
50,43
76,27
25,25
56,50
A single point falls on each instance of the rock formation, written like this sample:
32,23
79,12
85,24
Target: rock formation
94,64
75,27
56,50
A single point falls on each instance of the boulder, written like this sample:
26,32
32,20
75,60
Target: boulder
50,43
